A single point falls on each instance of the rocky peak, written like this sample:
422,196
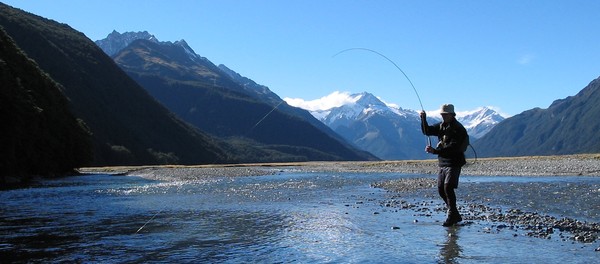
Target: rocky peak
479,121
115,41
369,100
192,55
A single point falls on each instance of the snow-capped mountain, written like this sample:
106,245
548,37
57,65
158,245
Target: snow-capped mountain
391,132
362,106
370,124
479,121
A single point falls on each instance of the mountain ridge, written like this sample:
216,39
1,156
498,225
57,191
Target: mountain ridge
207,97
116,41
128,126
567,126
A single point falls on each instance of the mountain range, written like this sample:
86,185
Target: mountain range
69,104
225,104
127,125
390,132
375,131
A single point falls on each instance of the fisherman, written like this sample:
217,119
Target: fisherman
453,142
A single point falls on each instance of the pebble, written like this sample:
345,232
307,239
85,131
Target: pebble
579,164
525,166
532,224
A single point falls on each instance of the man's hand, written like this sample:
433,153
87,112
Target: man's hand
423,115
430,149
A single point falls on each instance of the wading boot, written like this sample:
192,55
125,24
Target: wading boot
448,222
457,217
449,219
453,218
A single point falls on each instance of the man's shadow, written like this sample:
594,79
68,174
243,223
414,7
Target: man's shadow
450,251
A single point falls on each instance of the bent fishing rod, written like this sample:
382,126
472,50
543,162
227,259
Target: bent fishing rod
424,128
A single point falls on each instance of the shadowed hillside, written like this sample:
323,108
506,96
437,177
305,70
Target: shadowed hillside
39,135
568,126
203,95
128,126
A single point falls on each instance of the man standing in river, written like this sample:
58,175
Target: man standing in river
453,141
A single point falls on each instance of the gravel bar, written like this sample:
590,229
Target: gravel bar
566,165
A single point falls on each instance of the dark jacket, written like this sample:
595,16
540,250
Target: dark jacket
453,142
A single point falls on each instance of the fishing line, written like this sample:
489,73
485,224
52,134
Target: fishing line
256,124
152,218
403,73
264,117
474,153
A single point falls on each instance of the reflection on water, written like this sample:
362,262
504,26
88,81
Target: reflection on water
301,217
450,250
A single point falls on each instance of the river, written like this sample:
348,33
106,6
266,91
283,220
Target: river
287,217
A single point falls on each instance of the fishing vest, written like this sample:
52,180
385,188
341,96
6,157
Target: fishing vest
449,131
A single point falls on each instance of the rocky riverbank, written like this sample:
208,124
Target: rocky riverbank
513,220
580,165
567,165
493,219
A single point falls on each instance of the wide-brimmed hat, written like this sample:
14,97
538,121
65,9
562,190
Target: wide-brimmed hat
448,109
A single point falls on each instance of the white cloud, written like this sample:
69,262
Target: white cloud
334,99
526,59
392,105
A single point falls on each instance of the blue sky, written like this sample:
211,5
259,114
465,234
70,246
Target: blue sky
512,55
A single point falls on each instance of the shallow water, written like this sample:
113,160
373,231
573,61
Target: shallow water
288,217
